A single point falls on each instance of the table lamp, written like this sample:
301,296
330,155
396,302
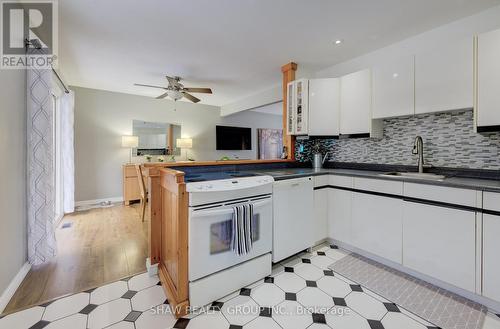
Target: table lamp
130,142
184,143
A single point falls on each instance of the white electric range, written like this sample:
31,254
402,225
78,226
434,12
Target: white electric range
214,269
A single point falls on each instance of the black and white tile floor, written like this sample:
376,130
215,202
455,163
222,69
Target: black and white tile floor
300,293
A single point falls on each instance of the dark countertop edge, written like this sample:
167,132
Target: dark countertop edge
376,175
447,171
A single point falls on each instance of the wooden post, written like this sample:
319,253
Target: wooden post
154,191
288,71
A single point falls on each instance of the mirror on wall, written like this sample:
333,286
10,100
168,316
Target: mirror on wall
156,138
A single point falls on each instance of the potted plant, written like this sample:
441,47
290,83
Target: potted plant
148,157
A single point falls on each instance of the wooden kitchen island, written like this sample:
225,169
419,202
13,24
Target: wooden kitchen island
169,226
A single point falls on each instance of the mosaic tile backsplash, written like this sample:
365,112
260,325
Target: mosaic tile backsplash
449,141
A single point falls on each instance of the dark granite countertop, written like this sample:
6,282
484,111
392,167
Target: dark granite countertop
485,180
492,185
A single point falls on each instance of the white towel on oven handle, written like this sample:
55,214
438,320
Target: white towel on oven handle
241,242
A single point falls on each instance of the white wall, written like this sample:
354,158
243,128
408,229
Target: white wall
102,117
463,28
13,250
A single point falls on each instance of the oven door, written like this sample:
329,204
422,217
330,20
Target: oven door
210,233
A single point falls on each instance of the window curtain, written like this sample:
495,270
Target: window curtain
40,166
66,106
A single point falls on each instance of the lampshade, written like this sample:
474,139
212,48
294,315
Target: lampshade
130,141
184,143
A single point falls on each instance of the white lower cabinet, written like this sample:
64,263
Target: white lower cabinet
320,214
339,215
376,225
293,207
491,262
440,242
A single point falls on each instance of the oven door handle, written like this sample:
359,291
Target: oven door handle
225,209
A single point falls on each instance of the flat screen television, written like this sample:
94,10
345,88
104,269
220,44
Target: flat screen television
233,138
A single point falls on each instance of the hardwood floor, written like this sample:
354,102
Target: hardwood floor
101,246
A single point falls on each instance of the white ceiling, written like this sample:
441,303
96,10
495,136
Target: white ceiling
236,47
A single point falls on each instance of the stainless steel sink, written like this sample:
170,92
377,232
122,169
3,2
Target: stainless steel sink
415,175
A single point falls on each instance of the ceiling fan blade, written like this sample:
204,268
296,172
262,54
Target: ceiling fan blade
198,90
162,96
171,80
141,85
191,97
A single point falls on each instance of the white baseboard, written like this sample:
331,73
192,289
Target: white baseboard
152,269
13,285
98,201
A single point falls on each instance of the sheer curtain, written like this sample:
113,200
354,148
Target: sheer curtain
66,106
40,166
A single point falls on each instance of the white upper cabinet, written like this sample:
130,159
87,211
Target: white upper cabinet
297,107
301,106
444,77
488,80
324,107
393,88
355,103
290,106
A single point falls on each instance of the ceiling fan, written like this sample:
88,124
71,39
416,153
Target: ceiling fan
176,90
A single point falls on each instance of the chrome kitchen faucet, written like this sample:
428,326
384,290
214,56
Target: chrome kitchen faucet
418,148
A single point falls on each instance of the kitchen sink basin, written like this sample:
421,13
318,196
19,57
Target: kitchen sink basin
415,175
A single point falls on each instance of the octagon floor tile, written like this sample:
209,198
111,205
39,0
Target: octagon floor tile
142,281
334,286
366,305
108,292
315,299
75,321
240,310
262,322
345,318
22,319
147,298
109,313
212,320
308,272
66,306
150,320
290,282
292,315
268,295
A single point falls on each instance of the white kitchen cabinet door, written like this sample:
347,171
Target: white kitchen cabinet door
320,214
444,77
440,242
339,215
491,263
290,106
355,103
488,80
393,84
324,107
293,209
301,106
377,225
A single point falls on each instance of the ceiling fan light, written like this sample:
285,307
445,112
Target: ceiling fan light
175,94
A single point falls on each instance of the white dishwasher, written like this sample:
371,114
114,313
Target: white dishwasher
293,209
